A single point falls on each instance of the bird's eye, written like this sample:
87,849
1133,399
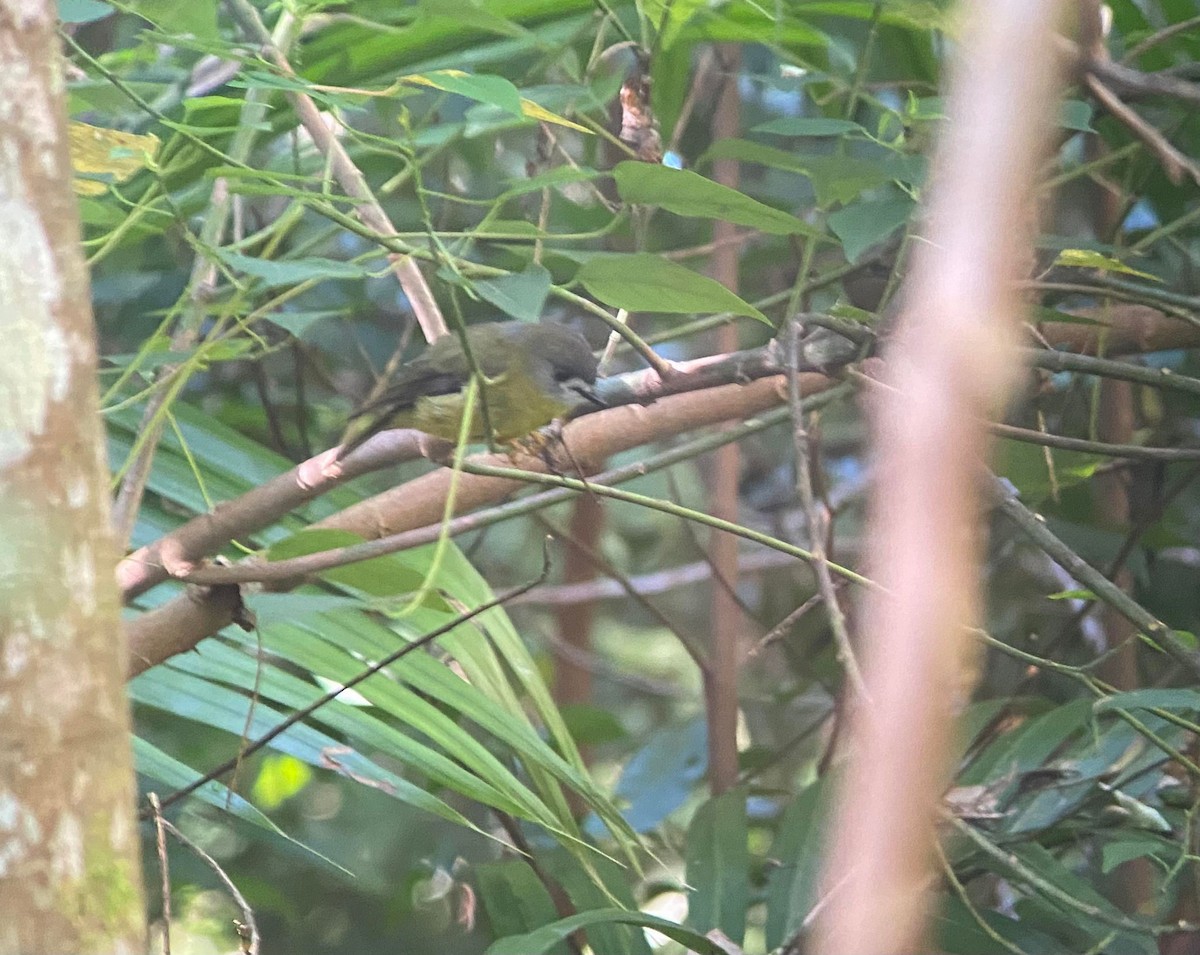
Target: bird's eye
560,376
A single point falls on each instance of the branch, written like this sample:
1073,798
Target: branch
182,622
1175,164
950,363
1133,82
177,554
1097,583
348,175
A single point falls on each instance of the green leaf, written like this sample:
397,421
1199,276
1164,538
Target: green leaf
521,295
958,930
385,576
718,863
492,90
299,322
495,90
203,104
1089,259
1092,934
1026,466
861,225
1076,114
1130,847
925,108
647,283
606,885
545,938
191,697
808,126
272,608
416,733
792,886
1026,747
515,899
197,17
154,764
468,13
551,179
82,11
670,16
834,178
1079,594
275,272
592,725
689,194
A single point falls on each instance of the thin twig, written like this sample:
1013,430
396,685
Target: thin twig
164,872
817,519
596,559
295,567
779,631
1048,889
700,78
961,891
1132,451
348,175
1136,83
649,584
250,945
1153,628
562,904
1110,368
1156,38
1175,164
182,622
187,333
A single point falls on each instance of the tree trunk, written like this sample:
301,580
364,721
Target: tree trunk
70,879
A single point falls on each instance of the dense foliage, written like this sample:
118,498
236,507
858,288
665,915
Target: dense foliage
244,308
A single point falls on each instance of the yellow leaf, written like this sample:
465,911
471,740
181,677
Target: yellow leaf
280,778
1087,259
532,110
488,89
96,151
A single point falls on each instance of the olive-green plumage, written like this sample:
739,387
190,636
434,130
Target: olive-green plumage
533,373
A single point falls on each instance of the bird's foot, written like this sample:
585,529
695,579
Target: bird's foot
548,446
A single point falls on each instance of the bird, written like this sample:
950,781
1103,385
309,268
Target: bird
532,373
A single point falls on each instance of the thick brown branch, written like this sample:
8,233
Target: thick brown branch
181,623
178,552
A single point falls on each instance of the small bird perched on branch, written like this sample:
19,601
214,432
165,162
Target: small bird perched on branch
532,374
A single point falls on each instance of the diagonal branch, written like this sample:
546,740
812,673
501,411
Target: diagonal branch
348,175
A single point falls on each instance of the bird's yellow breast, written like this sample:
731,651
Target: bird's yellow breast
515,405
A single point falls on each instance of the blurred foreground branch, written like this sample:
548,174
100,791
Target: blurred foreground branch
950,365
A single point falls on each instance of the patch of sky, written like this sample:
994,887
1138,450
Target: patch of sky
1141,216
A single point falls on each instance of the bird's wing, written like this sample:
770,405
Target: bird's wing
442,369
410,383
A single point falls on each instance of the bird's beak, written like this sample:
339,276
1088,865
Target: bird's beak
586,392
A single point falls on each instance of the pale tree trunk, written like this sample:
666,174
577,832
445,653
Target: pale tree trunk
948,365
70,878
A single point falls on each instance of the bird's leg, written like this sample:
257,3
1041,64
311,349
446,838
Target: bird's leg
548,446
